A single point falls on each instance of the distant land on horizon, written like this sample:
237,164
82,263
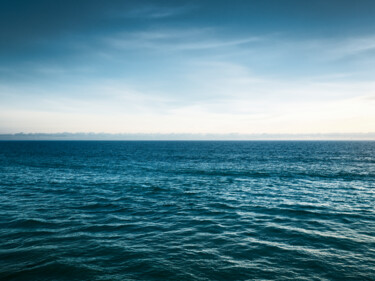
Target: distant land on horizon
186,136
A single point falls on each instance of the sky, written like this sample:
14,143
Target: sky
187,67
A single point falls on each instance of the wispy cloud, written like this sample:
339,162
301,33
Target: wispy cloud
176,40
353,46
152,11
329,49
158,12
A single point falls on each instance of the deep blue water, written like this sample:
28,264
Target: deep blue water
187,210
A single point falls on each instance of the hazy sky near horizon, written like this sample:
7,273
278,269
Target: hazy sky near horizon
270,66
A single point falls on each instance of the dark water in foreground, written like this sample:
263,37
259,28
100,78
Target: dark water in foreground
187,210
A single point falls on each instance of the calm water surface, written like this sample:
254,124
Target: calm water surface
187,210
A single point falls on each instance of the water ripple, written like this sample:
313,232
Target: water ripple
187,211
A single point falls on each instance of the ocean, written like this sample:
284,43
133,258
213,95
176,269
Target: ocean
187,210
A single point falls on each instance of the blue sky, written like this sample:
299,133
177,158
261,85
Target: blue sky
287,67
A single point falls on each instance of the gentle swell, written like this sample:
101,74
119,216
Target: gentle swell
187,211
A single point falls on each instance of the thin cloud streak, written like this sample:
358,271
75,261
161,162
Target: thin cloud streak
156,12
176,40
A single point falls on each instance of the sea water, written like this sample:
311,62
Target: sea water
133,210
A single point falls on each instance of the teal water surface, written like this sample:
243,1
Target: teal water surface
187,210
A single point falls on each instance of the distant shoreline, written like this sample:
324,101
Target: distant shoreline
186,137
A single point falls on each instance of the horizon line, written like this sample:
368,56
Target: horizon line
369,136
